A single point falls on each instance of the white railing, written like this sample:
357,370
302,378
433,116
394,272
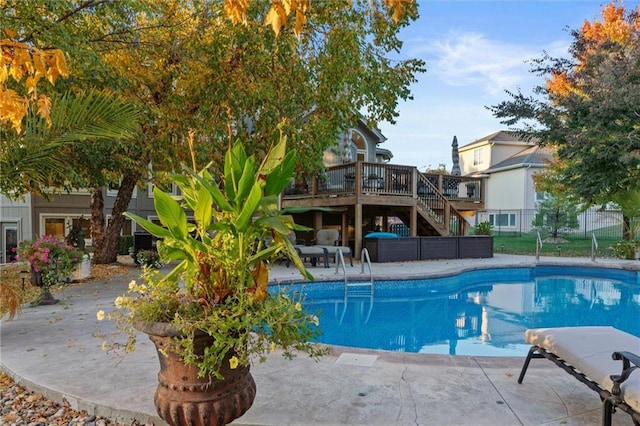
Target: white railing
340,262
364,257
538,246
359,289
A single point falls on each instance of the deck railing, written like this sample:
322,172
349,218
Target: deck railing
387,179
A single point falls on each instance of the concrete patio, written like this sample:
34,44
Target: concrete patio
56,350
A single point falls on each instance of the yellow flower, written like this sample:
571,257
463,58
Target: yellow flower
105,346
119,301
298,306
100,315
273,346
132,285
233,362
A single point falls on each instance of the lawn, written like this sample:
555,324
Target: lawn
572,248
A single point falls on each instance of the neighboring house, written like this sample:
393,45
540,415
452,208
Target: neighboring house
508,165
36,216
16,225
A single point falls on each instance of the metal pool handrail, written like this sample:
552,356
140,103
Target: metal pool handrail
364,255
538,246
594,246
340,261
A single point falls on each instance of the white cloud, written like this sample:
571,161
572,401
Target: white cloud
469,59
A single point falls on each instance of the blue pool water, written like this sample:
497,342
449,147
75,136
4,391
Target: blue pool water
483,312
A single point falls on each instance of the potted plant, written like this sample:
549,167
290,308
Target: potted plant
50,260
149,258
213,313
75,238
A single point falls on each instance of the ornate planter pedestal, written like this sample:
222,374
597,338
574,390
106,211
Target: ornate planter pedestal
46,298
182,398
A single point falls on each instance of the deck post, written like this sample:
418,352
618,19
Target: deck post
358,231
413,222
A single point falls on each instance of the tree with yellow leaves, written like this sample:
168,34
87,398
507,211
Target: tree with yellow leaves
26,66
224,69
37,131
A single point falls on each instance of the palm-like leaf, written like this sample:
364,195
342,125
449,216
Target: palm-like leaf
37,158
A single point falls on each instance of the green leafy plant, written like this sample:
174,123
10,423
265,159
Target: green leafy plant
219,284
50,259
625,249
75,237
49,255
149,258
484,228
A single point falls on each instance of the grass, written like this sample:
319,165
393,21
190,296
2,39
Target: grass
572,248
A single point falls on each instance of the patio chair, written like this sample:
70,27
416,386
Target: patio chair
591,355
328,239
307,253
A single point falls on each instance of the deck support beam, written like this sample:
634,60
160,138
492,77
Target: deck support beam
357,231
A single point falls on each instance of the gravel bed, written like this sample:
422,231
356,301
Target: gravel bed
19,407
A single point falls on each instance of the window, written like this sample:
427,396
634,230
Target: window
9,242
478,156
112,190
541,195
59,225
127,228
503,219
158,176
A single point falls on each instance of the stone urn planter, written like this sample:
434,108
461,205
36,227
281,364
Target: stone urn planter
183,398
46,298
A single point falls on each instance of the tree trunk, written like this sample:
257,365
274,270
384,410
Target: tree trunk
107,252
627,230
97,220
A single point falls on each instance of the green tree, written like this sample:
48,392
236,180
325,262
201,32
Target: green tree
37,158
588,109
192,71
556,215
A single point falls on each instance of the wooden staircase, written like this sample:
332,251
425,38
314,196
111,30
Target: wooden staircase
437,215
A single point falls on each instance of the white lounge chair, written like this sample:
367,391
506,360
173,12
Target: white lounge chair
328,239
592,355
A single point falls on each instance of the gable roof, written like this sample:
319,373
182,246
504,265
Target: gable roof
501,137
535,156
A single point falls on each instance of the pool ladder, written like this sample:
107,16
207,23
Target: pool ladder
357,289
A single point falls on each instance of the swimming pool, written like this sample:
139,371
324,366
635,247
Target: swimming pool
480,312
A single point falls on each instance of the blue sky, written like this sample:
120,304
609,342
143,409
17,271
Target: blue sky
474,50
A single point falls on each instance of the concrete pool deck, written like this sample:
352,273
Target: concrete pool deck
56,350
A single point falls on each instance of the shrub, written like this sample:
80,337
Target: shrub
125,243
625,249
149,258
484,228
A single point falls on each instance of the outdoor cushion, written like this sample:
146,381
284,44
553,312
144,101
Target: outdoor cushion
381,235
589,350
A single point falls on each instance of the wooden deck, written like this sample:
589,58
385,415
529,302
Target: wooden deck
428,204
